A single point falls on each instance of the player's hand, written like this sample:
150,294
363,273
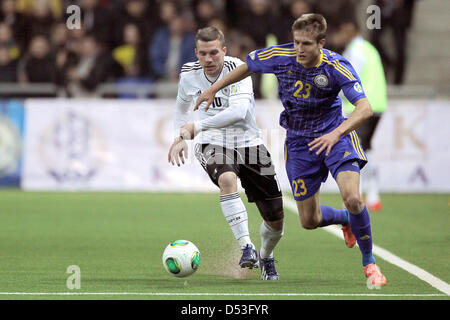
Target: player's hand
207,96
325,142
178,151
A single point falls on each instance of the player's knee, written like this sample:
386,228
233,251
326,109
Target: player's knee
310,218
228,182
309,222
271,211
353,203
276,225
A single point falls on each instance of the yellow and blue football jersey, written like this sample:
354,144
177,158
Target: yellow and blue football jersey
310,98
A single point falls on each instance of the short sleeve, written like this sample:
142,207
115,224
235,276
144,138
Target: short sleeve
348,80
241,89
256,65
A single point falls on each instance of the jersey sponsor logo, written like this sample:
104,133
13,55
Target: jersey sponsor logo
321,80
357,87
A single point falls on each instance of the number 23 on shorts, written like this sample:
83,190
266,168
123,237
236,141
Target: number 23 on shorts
299,187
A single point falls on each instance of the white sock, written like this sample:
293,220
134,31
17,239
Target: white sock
236,214
243,241
269,239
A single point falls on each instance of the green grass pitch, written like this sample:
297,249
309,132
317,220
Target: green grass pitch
117,240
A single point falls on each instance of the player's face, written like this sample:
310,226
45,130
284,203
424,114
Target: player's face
210,54
307,48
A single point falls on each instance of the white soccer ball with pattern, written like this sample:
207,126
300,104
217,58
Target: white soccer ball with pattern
181,258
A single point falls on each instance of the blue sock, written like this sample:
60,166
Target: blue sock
360,225
333,216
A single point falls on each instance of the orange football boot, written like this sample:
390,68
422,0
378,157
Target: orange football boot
349,237
374,275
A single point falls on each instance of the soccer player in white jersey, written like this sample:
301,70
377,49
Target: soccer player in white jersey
230,145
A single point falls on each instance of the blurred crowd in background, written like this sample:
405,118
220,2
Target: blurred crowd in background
147,41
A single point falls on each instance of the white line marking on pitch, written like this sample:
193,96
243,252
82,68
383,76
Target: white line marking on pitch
219,294
386,255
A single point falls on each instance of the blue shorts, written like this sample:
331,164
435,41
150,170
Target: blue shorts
306,170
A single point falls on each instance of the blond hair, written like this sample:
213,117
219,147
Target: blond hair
313,23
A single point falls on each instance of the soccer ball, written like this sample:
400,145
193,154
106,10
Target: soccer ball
181,258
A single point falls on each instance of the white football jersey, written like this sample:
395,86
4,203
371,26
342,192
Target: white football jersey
243,133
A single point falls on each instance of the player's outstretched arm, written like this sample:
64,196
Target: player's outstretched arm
236,75
362,112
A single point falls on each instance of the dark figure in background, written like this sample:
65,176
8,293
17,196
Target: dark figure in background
132,54
290,12
397,16
16,21
134,12
97,21
170,48
7,40
41,19
8,66
95,66
258,22
204,12
332,11
38,65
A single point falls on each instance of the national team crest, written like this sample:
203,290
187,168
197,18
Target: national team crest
321,80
